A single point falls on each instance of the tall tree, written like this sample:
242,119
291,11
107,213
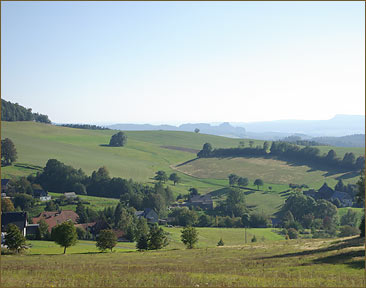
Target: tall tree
81,211
8,152
235,203
175,178
65,234
157,238
206,151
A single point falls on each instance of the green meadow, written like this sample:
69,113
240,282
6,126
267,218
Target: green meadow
149,151
286,263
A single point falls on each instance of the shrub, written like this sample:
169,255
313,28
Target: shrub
220,243
347,230
254,239
292,233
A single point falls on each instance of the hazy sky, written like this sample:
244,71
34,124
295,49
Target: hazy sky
178,62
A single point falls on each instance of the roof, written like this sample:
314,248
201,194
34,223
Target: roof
84,226
4,182
13,217
325,191
53,218
201,198
70,194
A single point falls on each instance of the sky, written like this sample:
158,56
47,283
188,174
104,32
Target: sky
181,62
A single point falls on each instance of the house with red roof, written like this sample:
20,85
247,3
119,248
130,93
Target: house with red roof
53,218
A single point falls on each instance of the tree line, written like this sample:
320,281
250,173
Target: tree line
84,126
289,152
16,112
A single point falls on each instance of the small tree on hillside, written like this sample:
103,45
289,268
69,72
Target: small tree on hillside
118,140
243,181
258,182
8,152
161,176
106,240
65,234
14,238
189,236
196,130
233,179
175,178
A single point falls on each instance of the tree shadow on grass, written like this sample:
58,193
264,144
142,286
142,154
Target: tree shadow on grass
348,175
337,245
105,145
344,258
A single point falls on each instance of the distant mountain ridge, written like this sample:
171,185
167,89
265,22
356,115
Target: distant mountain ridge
338,126
224,129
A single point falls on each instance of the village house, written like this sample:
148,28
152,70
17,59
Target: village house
41,195
149,214
202,201
327,193
53,218
17,218
70,195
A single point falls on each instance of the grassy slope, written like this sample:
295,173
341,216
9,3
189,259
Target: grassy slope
292,263
143,156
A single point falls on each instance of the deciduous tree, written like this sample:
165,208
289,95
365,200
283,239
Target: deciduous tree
189,236
118,140
64,234
107,239
8,152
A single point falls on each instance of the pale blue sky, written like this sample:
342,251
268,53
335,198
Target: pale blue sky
178,62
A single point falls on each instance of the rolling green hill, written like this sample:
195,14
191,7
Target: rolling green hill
149,151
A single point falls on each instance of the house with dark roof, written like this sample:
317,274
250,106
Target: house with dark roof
327,193
41,195
53,218
202,201
17,218
4,185
149,214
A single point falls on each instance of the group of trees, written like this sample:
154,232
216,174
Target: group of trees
289,152
161,176
16,112
60,178
242,181
85,126
321,216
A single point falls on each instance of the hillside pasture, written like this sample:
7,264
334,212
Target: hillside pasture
291,263
271,171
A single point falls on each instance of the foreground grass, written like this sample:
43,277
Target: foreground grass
292,263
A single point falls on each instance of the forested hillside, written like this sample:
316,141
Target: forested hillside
16,112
